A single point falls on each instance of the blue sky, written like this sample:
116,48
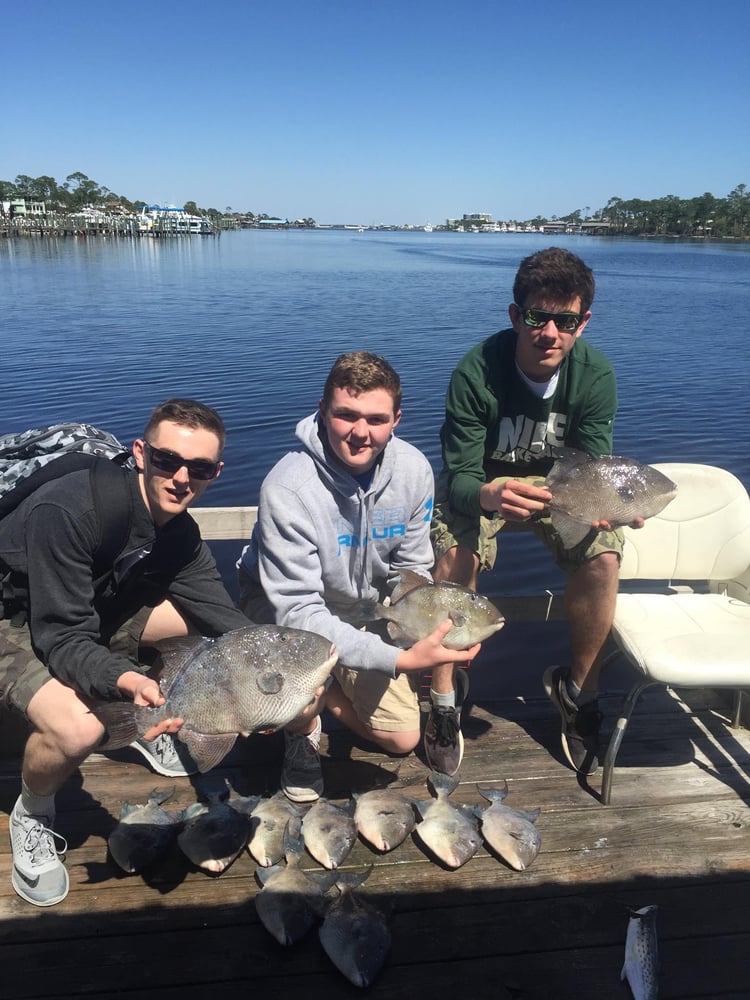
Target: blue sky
380,111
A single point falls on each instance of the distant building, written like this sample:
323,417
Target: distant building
23,207
475,218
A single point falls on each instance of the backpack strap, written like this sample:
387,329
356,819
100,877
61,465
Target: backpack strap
113,502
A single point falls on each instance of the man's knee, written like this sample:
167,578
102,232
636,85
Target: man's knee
164,622
58,714
396,743
458,565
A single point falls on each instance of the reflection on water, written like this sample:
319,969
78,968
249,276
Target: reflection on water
102,330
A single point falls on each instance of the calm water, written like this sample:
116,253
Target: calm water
102,330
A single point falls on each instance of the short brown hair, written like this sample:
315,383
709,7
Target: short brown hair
188,413
360,371
555,274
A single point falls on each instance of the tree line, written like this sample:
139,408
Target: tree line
704,215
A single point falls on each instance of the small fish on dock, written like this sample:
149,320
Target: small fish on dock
449,832
271,816
354,933
215,832
641,966
145,833
329,832
383,817
511,833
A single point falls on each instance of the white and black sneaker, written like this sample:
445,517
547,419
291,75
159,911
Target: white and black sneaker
39,876
580,724
167,756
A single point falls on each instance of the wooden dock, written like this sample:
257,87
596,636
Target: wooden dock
677,834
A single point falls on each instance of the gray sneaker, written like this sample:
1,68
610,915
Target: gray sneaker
301,774
167,756
580,724
39,876
443,739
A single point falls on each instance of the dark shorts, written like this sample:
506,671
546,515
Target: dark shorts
22,674
450,528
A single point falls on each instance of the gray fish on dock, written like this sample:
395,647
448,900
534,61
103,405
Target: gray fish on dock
329,832
355,934
215,832
290,900
611,488
271,816
449,832
145,833
418,606
254,679
509,832
383,817
641,967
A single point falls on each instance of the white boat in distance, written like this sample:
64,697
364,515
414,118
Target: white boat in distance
169,218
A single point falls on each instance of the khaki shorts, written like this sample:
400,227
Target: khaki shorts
381,702
22,674
480,535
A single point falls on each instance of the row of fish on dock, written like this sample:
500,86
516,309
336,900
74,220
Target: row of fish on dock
213,832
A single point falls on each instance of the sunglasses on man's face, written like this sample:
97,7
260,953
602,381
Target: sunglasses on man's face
170,462
537,318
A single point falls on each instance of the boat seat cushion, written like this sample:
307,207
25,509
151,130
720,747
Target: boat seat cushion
686,639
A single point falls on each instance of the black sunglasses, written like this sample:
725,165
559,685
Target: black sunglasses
170,462
537,318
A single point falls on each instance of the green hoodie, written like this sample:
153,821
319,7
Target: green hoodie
496,426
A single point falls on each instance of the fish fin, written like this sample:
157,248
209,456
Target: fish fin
396,633
119,719
493,794
352,880
264,874
569,529
531,815
408,580
439,782
207,750
359,613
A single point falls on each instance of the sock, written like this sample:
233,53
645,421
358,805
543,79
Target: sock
37,805
443,700
577,696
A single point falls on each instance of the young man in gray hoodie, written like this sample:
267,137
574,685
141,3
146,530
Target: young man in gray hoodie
337,522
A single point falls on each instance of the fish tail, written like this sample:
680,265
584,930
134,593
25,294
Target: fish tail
126,722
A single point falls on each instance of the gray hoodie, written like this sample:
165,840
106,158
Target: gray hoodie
322,543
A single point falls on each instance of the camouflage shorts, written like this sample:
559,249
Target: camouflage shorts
22,674
480,535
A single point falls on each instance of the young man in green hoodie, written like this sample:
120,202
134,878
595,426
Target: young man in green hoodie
512,400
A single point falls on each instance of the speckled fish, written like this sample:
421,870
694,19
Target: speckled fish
271,817
354,933
145,833
641,967
509,832
449,832
253,679
329,832
215,832
611,488
290,900
418,606
383,817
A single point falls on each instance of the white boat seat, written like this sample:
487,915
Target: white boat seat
689,626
